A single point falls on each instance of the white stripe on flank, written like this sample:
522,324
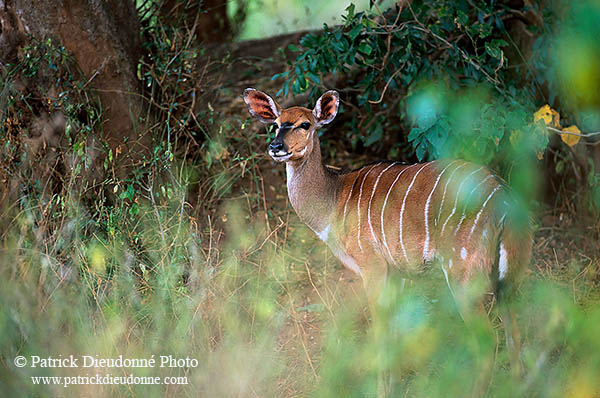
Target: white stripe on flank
426,255
358,203
503,264
464,215
481,211
403,205
349,196
456,199
437,219
371,200
383,209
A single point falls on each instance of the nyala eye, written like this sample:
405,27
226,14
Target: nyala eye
305,125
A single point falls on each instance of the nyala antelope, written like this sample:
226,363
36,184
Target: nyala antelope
388,216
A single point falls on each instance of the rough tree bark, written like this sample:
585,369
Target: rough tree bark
103,37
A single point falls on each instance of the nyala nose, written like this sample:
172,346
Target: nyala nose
276,146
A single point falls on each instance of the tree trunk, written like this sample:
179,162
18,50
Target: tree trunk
103,37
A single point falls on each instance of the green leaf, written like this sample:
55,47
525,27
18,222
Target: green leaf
365,48
484,30
353,34
350,10
278,75
420,152
374,135
415,133
316,79
493,50
462,18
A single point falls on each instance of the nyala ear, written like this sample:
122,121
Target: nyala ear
327,107
261,106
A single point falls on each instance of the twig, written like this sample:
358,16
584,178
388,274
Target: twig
389,33
317,290
555,130
387,85
466,57
97,72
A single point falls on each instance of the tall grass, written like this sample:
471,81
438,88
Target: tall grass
149,289
161,285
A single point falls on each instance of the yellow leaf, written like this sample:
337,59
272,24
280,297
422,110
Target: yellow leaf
548,115
544,113
570,139
540,155
555,118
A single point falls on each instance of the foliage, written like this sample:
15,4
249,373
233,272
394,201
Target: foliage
49,135
577,79
96,296
432,354
391,55
470,124
51,65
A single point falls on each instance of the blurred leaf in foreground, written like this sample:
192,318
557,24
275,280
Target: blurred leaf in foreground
571,139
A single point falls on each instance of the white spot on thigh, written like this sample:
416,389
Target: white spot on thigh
450,264
503,263
463,253
324,234
484,233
